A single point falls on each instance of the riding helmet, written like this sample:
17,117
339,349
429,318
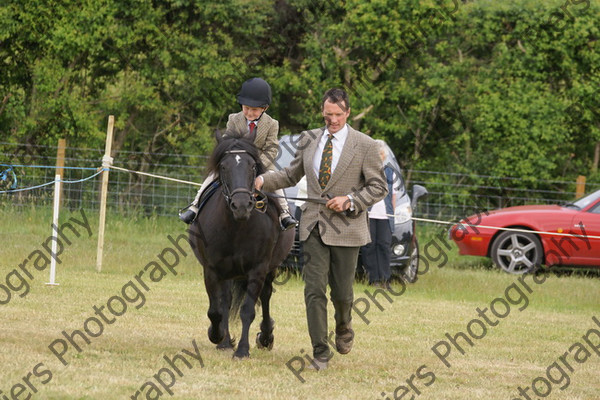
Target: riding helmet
255,92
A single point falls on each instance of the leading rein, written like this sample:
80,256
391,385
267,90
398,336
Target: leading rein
308,199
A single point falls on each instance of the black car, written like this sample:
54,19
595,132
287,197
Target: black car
405,247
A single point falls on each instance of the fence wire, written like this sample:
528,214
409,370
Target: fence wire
451,195
127,193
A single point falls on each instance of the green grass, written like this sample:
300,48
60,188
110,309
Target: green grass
393,347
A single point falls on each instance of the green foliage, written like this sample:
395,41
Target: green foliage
494,88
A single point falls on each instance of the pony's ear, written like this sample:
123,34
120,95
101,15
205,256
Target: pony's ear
228,134
220,135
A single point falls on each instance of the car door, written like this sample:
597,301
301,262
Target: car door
587,224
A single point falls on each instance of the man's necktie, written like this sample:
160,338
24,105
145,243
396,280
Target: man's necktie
325,167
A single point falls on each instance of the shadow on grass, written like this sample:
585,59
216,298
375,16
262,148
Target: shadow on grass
486,264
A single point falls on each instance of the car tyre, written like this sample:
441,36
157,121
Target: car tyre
517,252
411,272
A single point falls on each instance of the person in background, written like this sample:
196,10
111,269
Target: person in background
298,215
377,254
254,98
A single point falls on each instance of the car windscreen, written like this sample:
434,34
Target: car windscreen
587,200
390,161
287,150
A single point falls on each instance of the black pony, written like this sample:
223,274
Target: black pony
239,243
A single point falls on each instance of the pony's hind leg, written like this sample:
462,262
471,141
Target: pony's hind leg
227,343
265,338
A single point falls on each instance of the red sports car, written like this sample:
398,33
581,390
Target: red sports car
519,239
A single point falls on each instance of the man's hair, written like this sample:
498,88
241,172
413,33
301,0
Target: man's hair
337,96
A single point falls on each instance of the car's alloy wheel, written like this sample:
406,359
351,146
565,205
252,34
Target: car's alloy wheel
411,270
517,252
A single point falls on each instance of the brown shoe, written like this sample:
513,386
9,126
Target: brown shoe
344,341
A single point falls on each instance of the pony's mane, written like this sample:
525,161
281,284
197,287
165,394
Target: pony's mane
234,141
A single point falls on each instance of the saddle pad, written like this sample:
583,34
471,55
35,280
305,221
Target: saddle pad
210,190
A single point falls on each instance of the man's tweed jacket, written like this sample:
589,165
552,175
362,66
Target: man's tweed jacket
359,172
266,141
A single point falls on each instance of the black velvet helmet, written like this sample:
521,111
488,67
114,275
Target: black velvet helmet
255,92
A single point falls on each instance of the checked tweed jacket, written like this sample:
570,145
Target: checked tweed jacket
266,141
359,172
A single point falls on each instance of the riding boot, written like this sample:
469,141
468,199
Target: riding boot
286,221
189,215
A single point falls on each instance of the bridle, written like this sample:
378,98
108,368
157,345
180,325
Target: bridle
228,193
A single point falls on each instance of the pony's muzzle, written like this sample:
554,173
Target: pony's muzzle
241,206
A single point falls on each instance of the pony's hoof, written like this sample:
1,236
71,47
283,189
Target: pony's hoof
225,345
269,342
212,338
240,356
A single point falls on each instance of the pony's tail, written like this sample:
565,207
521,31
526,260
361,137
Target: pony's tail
239,287
238,293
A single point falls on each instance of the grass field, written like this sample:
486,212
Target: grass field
525,331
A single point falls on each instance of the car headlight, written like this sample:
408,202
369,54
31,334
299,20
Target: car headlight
452,232
403,213
398,249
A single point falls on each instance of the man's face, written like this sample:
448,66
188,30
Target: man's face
251,113
335,117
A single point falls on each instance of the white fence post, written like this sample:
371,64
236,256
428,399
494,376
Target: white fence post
106,163
55,224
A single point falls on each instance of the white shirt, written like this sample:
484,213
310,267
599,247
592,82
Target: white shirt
378,210
337,142
302,193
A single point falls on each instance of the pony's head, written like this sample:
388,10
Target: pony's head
236,160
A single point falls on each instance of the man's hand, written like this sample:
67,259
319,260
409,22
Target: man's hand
339,203
258,182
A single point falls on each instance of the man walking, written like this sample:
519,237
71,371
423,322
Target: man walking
342,165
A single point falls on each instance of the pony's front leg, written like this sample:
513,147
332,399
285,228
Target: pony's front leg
264,338
214,289
247,311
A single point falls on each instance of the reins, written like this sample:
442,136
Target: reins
308,199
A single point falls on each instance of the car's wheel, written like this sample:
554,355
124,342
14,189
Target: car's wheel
517,252
410,273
